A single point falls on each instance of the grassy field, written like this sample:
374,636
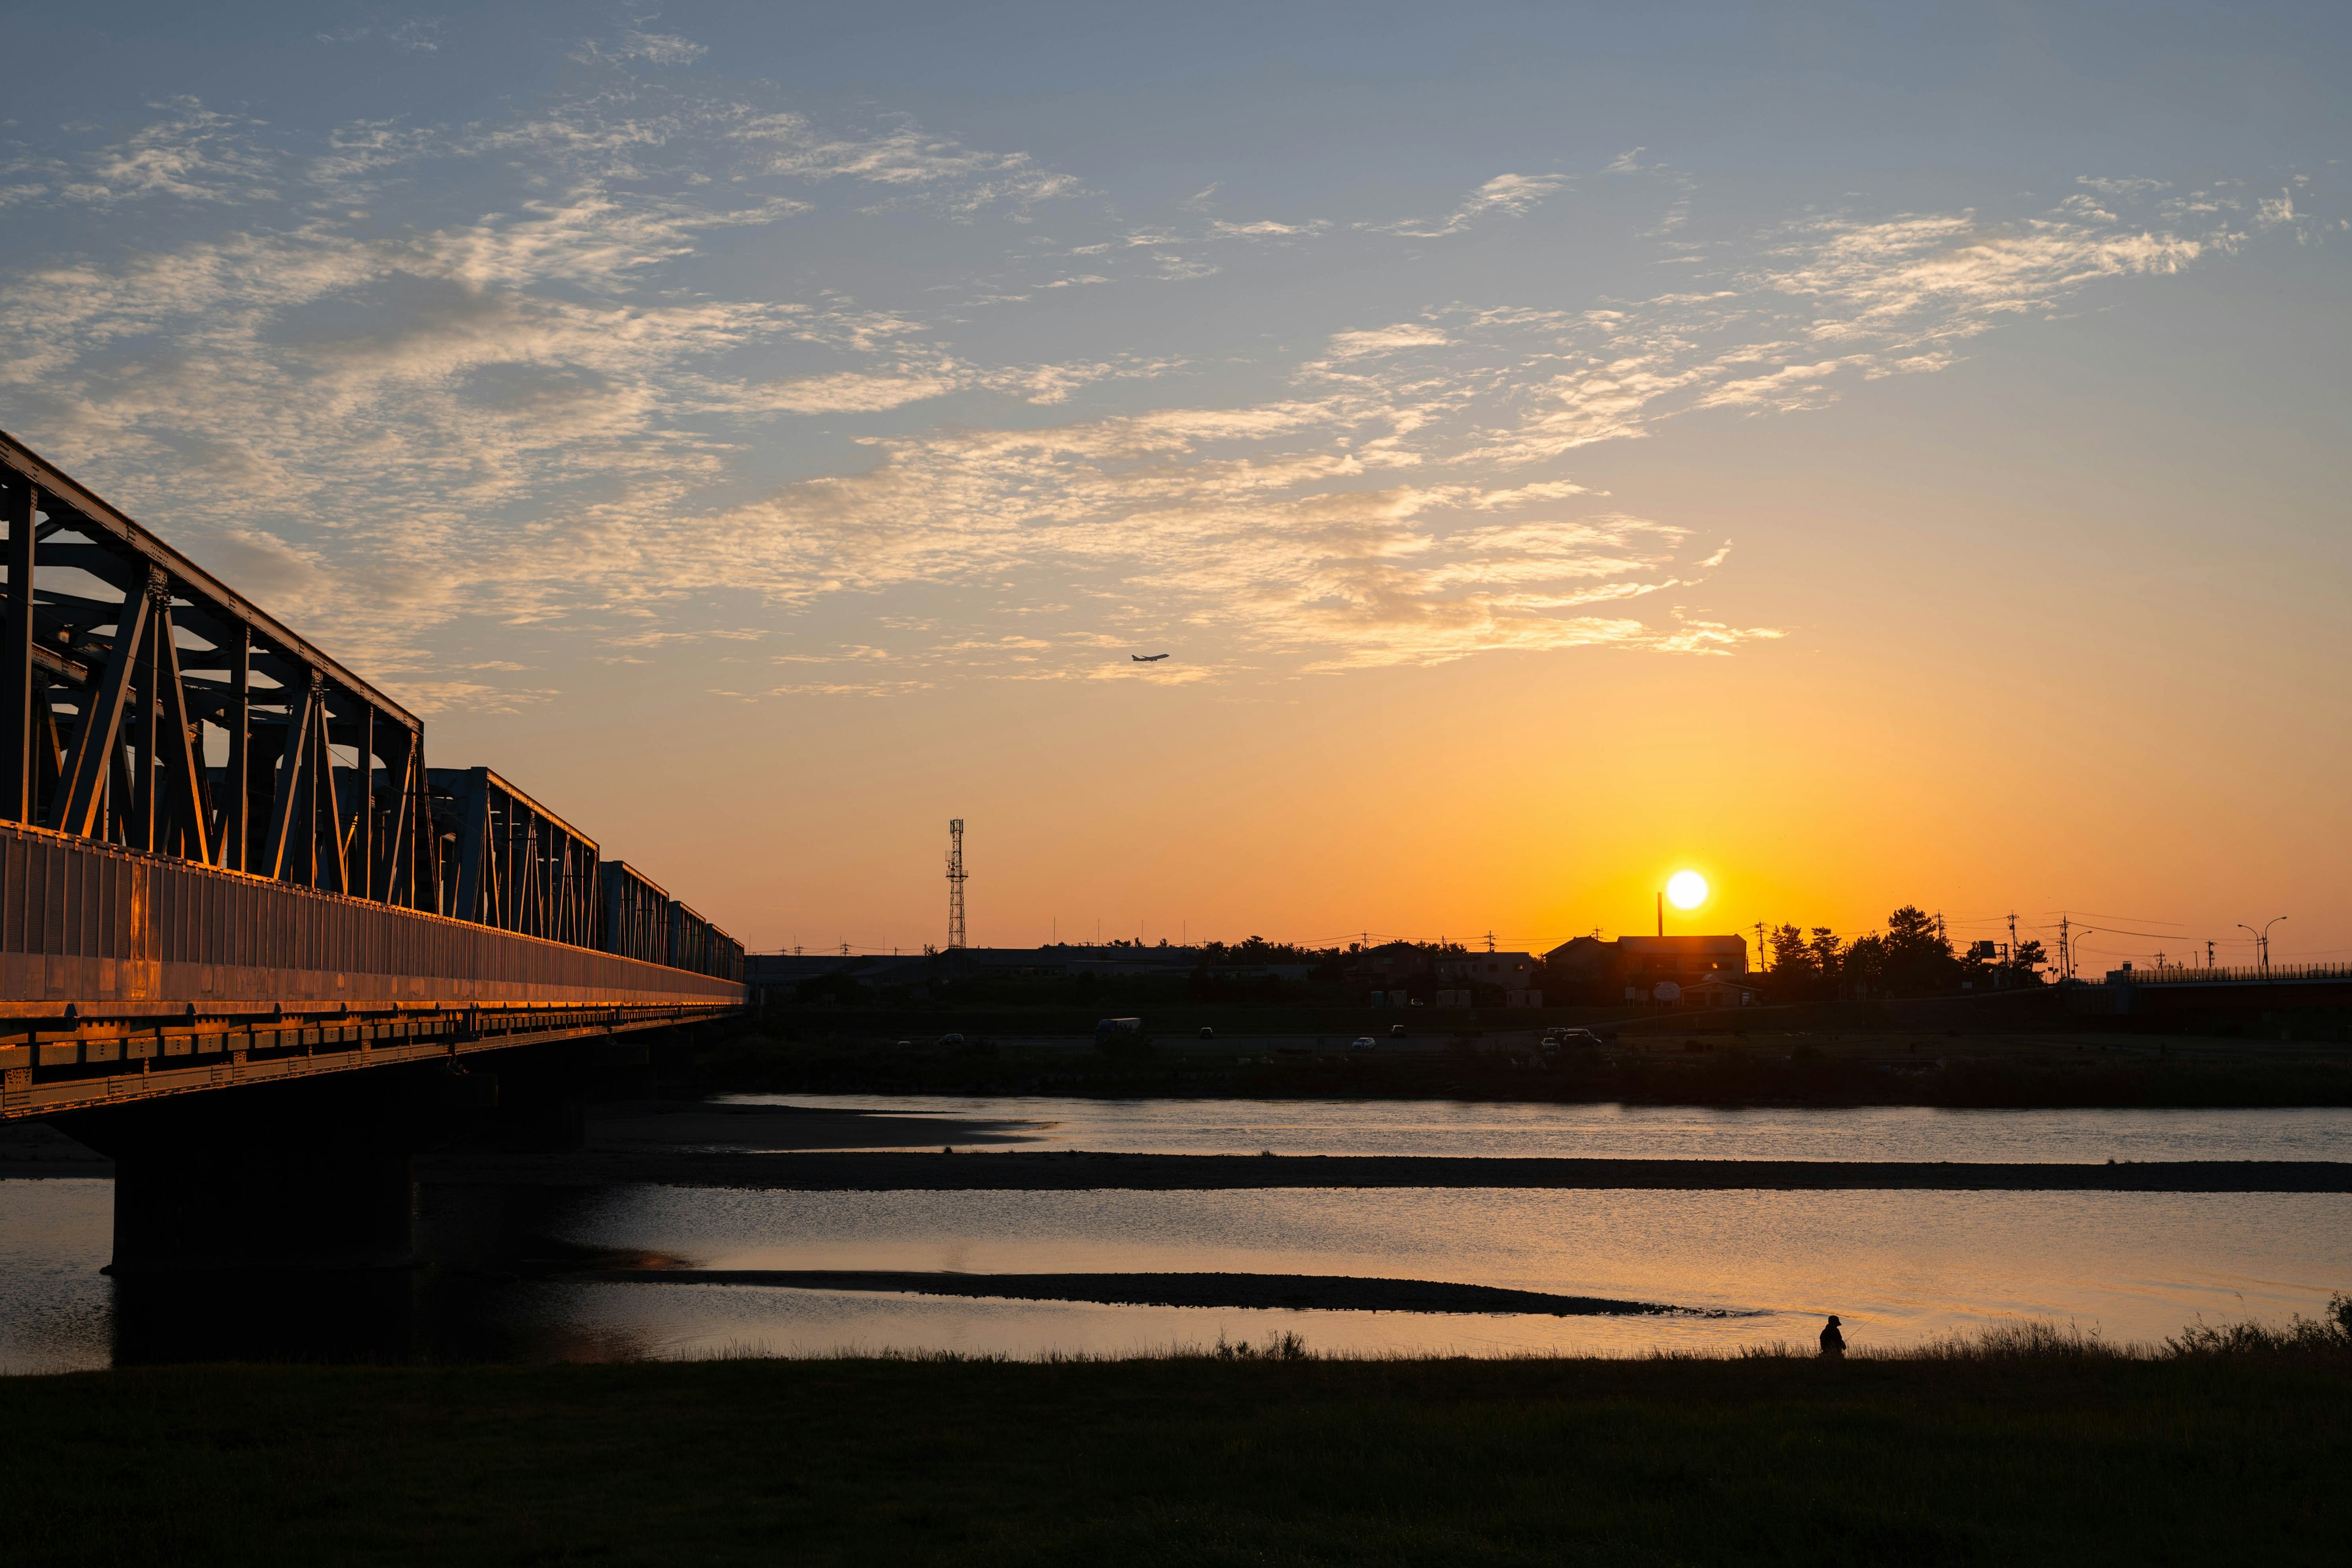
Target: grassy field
2019,1453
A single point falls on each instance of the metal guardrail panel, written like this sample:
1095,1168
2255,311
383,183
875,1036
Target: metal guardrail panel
2231,974
99,926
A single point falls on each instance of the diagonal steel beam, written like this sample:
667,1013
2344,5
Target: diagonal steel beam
146,732
101,723
290,781
223,603
360,862
390,885
476,855
328,817
235,832
183,782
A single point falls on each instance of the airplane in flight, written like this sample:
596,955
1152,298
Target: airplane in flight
1147,658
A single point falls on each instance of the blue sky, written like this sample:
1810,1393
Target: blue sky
732,384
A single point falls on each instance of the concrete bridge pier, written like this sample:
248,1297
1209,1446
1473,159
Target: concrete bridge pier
312,1176
544,1092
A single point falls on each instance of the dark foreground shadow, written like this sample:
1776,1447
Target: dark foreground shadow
475,1293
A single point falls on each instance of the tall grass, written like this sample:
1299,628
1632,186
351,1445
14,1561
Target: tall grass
2328,1337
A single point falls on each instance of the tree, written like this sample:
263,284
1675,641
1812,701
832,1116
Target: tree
1822,943
1862,968
1917,961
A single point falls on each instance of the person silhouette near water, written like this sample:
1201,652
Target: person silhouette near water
1832,1342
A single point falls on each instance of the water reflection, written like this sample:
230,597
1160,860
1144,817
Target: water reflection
1901,1266
1898,1266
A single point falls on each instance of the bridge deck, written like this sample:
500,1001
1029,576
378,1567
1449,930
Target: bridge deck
127,974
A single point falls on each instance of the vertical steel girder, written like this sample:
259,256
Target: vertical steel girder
22,501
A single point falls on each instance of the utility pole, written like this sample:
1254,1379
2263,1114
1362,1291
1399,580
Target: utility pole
1490,941
1760,944
955,884
2208,953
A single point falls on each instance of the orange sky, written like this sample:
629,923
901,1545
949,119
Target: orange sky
1554,448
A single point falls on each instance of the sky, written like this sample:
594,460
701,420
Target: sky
1867,453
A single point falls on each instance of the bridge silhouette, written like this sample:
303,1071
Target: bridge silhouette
251,944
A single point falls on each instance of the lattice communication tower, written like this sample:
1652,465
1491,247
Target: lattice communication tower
955,883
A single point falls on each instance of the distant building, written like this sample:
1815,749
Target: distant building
1635,966
1406,975
1511,971
1718,991
780,975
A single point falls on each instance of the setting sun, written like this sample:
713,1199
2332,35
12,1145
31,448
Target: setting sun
1686,890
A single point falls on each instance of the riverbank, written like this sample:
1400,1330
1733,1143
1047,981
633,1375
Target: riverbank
2031,1453
1076,1170
1297,1292
1711,1064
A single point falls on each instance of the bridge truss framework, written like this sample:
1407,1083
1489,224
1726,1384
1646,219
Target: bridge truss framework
223,859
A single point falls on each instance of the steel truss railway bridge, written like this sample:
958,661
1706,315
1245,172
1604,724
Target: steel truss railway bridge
251,946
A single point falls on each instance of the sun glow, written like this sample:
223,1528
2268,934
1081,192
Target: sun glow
1686,890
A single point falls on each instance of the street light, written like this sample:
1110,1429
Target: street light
2073,946
2263,941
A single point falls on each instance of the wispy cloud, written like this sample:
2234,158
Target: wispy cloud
560,368
1505,196
421,34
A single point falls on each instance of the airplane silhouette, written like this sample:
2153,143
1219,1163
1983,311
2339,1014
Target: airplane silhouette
1147,658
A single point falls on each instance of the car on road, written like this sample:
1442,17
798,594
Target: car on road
1363,1043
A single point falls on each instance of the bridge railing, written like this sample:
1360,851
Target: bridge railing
2184,975
99,927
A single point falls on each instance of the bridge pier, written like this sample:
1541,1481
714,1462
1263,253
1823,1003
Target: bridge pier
311,1176
544,1092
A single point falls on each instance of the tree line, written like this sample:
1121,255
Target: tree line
1913,957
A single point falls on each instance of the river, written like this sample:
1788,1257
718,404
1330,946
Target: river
1745,1267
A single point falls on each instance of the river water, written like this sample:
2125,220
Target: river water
1754,1266
1614,1131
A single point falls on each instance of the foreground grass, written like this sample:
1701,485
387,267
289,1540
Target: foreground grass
2038,1449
